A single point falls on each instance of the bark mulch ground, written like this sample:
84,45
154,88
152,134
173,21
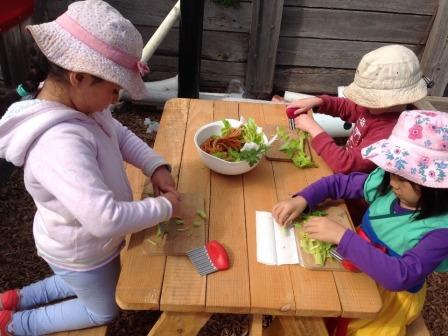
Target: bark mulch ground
21,266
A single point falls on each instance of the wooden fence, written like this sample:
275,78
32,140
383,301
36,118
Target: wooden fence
309,46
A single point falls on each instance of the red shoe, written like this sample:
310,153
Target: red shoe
9,300
5,318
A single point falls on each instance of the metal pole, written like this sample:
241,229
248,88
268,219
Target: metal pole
190,46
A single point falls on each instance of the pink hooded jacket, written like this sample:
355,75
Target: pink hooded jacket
73,169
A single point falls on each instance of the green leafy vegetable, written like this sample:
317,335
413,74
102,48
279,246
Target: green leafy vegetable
250,134
201,213
320,250
162,229
227,127
159,231
152,242
305,216
179,221
197,223
294,148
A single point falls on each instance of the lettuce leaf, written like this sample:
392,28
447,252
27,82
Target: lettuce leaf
251,133
294,148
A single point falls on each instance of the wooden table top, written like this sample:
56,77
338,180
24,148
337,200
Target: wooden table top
172,284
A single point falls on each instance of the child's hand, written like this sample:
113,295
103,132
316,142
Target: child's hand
308,124
305,104
286,211
174,199
162,181
324,229
278,99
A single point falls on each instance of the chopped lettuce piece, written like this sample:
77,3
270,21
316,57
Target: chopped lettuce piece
197,223
320,250
201,213
294,148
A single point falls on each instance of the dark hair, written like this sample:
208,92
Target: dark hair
40,69
432,201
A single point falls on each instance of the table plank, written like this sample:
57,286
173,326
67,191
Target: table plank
227,216
271,288
308,285
183,287
140,282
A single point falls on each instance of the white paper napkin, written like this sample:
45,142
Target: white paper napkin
275,244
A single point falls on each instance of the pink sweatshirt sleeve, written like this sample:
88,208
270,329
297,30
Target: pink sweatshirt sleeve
136,152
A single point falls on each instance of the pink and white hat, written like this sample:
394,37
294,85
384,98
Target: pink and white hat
94,38
417,149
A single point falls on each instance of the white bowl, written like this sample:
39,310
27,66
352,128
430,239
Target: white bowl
214,163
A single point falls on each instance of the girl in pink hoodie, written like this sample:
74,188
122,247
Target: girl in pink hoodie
72,151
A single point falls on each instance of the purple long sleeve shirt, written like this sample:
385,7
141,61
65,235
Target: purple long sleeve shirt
402,273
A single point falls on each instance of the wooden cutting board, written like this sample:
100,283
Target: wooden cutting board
181,234
274,153
338,214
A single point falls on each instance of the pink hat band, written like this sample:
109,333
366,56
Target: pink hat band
93,37
118,56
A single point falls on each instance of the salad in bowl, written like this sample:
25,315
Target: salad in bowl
231,146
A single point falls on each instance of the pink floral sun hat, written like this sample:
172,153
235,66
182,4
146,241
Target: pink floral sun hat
94,38
417,149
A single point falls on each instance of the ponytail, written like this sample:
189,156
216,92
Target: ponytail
39,68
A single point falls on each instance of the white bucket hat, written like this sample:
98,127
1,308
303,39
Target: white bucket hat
94,38
386,77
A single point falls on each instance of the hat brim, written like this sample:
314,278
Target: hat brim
407,163
62,49
374,98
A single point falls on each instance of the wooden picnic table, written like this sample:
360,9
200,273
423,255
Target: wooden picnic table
299,297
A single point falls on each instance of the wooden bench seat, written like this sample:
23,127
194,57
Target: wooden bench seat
97,331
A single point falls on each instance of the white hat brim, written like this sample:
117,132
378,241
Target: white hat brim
383,98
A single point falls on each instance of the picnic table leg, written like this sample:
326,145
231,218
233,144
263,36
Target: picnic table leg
182,324
256,325
297,326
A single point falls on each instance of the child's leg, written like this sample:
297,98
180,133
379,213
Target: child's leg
45,291
94,305
39,293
